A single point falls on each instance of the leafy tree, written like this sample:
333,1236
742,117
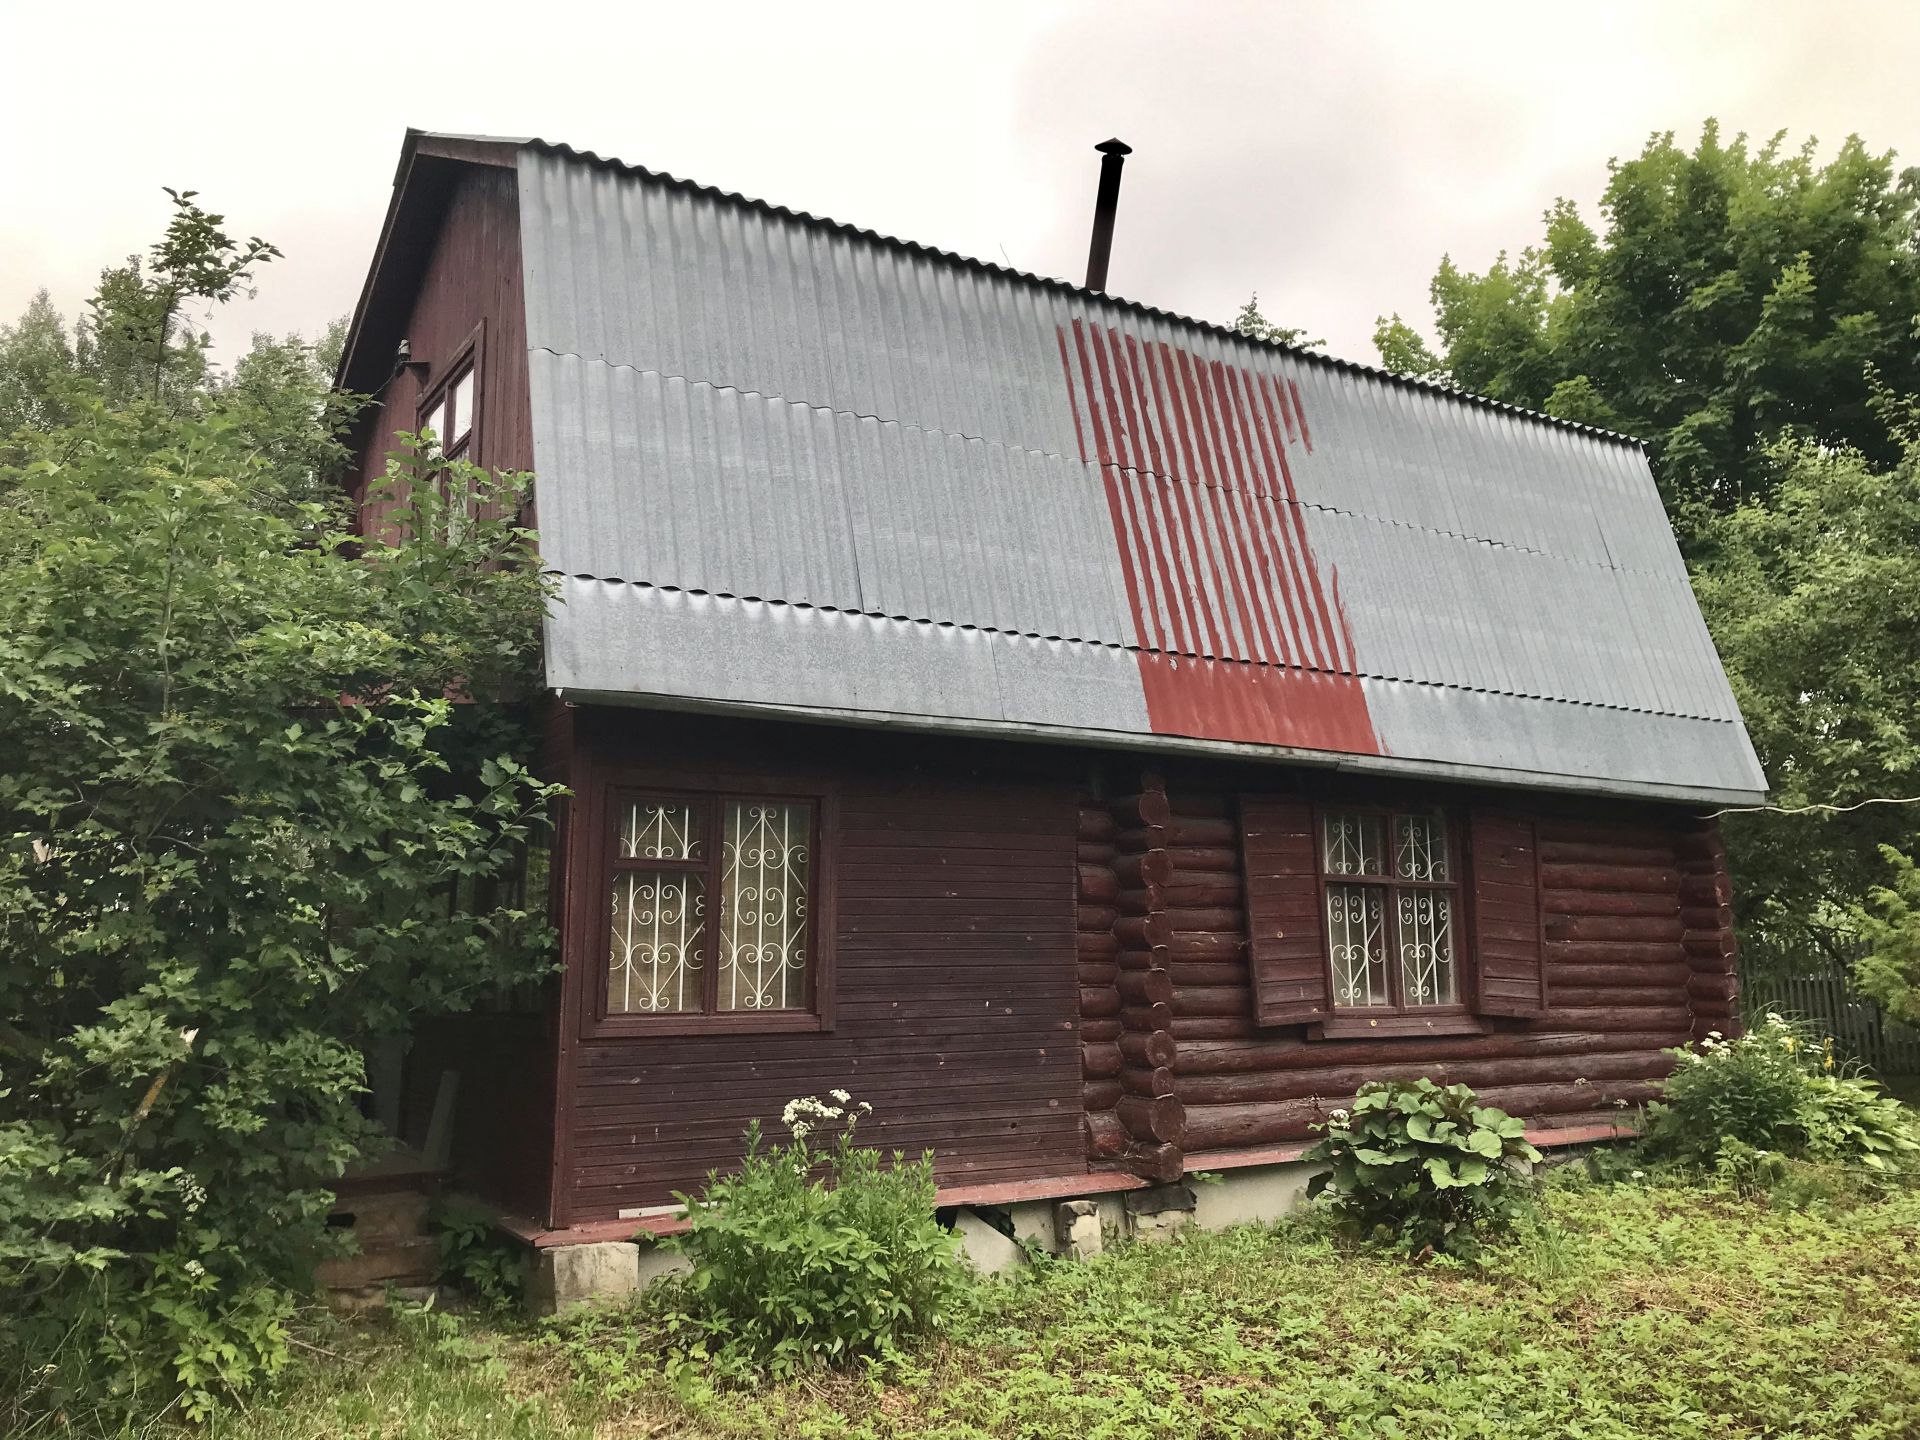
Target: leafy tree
281,393
36,361
1890,924
1732,294
246,761
134,340
1255,326
1814,598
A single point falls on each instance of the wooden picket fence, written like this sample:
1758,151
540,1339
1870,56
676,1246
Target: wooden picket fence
1820,994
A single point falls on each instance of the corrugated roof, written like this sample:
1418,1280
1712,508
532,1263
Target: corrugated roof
950,257
794,465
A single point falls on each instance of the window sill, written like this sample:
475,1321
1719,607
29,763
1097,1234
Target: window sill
1383,1027
640,1027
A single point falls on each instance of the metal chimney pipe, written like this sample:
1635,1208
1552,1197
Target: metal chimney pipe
1113,154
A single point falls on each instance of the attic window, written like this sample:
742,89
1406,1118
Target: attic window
449,412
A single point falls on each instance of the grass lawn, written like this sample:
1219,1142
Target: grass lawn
1629,1312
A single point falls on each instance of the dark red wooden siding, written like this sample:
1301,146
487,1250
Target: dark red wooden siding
974,952
472,282
955,950
503,1121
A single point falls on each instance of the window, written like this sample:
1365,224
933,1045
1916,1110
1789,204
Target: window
711,908
449,412
1391,888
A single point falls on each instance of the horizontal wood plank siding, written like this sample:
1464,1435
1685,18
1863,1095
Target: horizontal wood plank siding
957,990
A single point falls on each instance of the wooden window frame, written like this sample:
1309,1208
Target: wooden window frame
597,1021
466,360
1398,1017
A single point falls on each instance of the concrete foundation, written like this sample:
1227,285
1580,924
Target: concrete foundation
1257,1195
1076,1229
607,1270
984,1247
564,1276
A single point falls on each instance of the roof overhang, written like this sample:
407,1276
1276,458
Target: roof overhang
1438,771
423,183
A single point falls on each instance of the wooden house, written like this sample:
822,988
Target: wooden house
1096,739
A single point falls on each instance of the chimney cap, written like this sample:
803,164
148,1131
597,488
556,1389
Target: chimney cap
1114,147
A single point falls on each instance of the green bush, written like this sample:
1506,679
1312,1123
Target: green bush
238,787
1775,1091
474,1258
1423,1167
794,1269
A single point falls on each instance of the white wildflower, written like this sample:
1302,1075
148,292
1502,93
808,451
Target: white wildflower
1715,1035
842,1096
195,1269
1638,1175
807,1114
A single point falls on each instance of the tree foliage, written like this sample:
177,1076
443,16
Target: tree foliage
36,361
1255,326
1814,599
1754,315
241,779
1731,294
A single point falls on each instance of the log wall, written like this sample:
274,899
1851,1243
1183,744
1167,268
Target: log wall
1638,957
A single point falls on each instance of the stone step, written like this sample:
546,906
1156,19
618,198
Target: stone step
383,1215
395,1262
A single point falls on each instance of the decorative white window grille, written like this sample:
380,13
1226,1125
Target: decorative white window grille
659,942
763,905
663,830
1352,844
1426,947
1420,847
1357,938
1390,918
664,871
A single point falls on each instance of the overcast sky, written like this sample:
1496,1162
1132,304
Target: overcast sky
1326,155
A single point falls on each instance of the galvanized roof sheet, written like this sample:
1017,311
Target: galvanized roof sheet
791,465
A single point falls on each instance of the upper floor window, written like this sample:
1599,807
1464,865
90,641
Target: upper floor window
1391,886
712,906
449,412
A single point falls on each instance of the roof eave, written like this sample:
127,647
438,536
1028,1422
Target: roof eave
1390,765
